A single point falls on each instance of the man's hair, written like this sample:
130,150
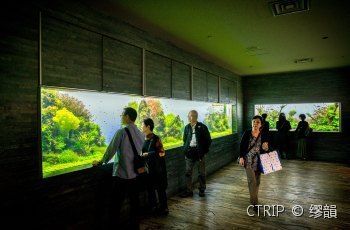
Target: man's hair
302,116
258,117
149,122
195,112
131,113
264,115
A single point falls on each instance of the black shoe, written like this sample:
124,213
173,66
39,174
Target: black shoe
163,212
201,193
186,194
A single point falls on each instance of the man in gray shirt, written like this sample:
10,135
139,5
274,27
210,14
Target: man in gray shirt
124,176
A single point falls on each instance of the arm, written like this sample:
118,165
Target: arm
159,148
298,127
207,137
113,146
242,147
185,135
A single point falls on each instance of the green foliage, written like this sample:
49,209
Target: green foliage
51,158
68,156
68,133
66,120
174,126
134,105
75,106
216,122
324,118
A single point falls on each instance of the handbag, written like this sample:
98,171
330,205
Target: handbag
139,163
269,162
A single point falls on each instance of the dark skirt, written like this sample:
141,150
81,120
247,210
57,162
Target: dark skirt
302,151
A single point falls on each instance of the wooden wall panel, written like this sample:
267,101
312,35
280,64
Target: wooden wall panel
71,56
158,75
213,87
200,88
122,67
228,91
181,80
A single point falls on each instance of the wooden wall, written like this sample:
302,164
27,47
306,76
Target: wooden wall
330,85
85,49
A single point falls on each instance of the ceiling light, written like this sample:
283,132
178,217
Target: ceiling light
303,60
289,6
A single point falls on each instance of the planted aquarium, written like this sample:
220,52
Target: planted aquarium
77,126
322,117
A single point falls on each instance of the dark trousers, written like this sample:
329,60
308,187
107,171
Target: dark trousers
190,163
152,199
121,189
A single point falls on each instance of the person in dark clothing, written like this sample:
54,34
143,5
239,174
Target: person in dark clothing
302,132
283,127
266,124
197,141
253,143
154,155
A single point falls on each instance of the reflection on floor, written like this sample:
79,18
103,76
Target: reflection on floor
225,205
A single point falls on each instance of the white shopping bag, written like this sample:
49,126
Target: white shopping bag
269,162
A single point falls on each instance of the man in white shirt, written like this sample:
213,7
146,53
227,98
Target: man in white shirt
197,141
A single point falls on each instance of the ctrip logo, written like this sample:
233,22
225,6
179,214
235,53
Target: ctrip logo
265,210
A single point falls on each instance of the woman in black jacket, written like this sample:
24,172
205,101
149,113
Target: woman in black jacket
253,142
154,155
301,133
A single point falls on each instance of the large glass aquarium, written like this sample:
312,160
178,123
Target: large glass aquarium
322,117
77,126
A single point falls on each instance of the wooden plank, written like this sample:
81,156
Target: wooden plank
122,67
181,79
200,87
213,87
71,56
158,75
228,91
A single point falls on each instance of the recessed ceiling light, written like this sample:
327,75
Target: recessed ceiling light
303,60
282,7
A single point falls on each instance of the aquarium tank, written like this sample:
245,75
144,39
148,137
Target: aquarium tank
322,117
77,126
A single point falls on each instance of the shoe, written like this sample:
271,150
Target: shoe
163,212
201,193
186,194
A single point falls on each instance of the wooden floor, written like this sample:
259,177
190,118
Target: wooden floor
299,183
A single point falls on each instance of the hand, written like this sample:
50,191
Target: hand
96,163
265,146
241,161
144,154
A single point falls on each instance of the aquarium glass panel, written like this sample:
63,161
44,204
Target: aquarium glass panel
77,126
322,117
